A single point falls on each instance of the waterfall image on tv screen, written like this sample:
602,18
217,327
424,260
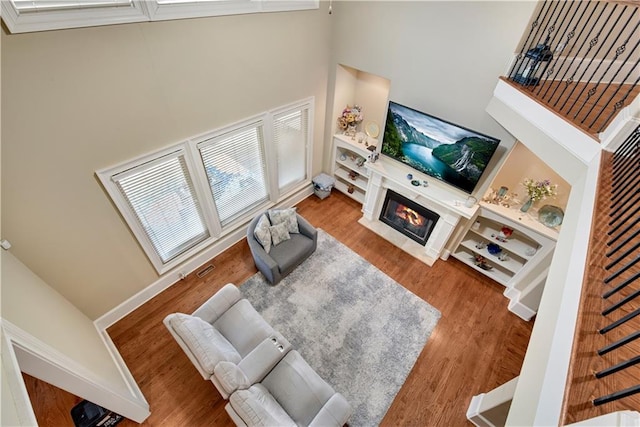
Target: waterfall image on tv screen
448,152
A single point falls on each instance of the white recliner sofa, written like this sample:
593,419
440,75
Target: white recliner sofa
254,366
227,331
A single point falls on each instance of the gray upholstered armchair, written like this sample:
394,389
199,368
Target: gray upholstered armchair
283,257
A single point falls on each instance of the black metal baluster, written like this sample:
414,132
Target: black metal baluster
631,177
551,37
618,367
625,167
620,303
592,43
619,52
622,203
625,205
620,321
629,216
617,395
584,28
628,145
622,207
622,256
626,155
621,286
622,269
617,344
559,51
535,25
623,232
620,103
621,245
593,57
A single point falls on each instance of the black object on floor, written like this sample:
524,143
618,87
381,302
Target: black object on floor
87,414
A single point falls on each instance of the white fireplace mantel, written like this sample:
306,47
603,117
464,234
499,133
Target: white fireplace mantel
437,197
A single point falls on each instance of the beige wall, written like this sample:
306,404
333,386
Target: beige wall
37,309
522,164
443,58
75,101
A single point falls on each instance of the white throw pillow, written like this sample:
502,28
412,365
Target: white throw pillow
205,342
287,216
279,233
262,233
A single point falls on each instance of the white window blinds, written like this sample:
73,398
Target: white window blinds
181,199
161,195
291,137
235,165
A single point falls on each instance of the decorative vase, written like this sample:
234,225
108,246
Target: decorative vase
351,130
527,205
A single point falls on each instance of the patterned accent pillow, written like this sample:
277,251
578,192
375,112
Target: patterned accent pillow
262,233
288,216
279,233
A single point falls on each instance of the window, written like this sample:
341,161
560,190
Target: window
181,199
25,16
38,15
159,201
236,170
291,135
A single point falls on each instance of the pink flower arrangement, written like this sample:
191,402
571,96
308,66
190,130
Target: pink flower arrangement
350,116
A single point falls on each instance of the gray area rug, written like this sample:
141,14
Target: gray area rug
359,329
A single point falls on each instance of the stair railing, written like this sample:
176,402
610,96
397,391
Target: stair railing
581,59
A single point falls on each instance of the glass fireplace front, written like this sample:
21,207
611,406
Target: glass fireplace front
408,217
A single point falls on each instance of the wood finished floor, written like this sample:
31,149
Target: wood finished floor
477,345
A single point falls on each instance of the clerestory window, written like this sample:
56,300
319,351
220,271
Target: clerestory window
22,16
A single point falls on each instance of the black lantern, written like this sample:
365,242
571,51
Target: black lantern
536,56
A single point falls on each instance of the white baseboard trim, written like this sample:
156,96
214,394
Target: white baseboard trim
474,414
175,275
519,309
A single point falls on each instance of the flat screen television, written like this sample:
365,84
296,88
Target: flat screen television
443,150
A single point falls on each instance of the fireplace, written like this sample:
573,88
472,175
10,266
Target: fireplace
408,217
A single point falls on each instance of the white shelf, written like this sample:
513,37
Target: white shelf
515,244
357,194
526,219
511,264
359,182
466,256
348,163
525,248
346,153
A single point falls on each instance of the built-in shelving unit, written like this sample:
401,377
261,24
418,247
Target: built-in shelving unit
348,168
519,253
